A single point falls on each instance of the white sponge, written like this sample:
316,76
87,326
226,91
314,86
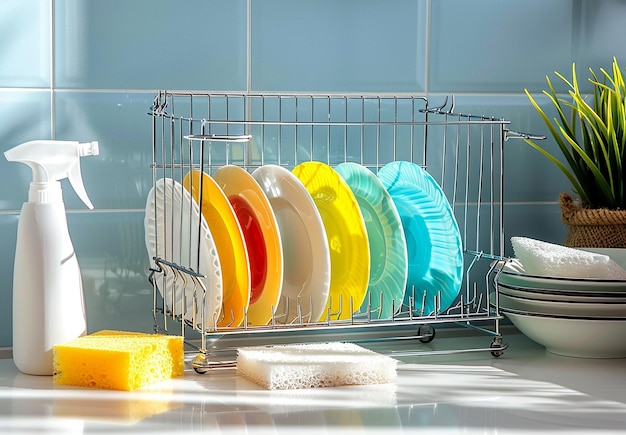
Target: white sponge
314,365
547,259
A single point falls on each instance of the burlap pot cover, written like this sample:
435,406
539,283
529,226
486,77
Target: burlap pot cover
592,228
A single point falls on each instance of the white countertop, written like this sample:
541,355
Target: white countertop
525,389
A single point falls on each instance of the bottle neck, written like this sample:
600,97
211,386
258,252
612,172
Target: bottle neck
47,191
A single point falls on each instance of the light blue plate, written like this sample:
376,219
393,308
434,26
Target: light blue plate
388,249
432,235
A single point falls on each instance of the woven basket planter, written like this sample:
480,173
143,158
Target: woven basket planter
592,228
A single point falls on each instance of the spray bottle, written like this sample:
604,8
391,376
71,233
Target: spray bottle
48,301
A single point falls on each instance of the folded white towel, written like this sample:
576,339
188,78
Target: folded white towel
313,365
548,259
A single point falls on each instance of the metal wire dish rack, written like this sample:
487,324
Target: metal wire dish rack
462,152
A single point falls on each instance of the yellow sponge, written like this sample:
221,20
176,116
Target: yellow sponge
118,360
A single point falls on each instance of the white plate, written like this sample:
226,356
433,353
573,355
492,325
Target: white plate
560,295
176,232
306,273
569,308
568,285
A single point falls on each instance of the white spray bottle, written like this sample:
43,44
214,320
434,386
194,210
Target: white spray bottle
48,301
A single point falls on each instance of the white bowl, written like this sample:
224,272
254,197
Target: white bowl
572,317
572,336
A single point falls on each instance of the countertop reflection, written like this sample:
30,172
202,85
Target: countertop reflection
524,389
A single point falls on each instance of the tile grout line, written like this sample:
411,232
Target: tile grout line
52,78
81,211
248,46
427,49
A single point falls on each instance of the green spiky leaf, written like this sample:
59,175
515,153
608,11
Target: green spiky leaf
591,136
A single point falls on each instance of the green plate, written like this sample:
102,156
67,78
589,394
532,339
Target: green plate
387,243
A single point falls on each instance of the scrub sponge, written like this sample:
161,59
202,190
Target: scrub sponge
548,259
314,365
118,360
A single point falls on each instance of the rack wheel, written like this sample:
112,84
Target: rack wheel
200,364
201,370
426,333
497,343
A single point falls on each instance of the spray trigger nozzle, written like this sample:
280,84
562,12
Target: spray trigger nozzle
51,161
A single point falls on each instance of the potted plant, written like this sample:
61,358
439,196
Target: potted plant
590,132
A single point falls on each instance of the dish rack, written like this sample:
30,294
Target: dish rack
463,153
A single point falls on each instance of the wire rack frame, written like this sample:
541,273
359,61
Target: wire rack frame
463,152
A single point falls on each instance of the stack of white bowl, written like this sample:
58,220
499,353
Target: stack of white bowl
579,317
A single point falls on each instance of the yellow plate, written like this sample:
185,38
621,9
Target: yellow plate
347,237
230,245
262,237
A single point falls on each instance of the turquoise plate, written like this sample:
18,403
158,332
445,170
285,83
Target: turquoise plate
387,244
433,239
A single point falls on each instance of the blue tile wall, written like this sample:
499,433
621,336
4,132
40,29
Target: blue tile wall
120,123
147,44
88,70
350,46
26,54
26,115
530,177
494,46
8,222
